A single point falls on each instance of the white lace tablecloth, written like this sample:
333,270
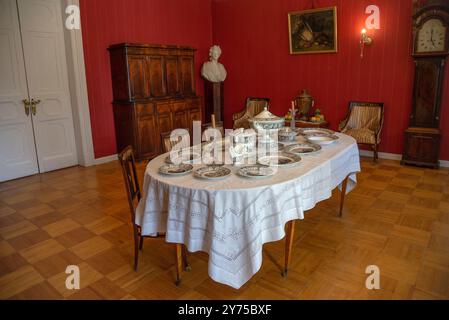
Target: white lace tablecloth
232,219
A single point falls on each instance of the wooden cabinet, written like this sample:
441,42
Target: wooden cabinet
154,93
422,147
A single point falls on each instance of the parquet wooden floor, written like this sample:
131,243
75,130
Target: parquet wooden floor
397,218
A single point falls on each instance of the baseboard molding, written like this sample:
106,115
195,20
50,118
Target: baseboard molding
396,157
105,159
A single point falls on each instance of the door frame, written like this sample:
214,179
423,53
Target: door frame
73,41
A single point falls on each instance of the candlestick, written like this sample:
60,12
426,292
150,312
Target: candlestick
293,114
213,120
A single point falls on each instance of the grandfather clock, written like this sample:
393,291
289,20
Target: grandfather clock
430,50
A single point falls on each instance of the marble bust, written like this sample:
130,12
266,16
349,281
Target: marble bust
212,70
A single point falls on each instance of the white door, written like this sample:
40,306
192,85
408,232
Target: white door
46,68
17,149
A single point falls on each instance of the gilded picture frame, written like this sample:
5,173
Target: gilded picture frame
313,31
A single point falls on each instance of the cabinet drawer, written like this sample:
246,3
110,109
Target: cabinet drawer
145,109
194,103
179,106
163,108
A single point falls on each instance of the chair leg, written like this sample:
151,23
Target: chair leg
185,262
136,247
376,154
178,264
288,245
141,243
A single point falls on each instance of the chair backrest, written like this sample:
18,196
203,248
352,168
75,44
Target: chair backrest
368,115
128,164
254,106
168,143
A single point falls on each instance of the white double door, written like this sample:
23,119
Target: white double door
33,66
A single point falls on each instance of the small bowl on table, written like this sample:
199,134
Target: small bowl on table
287,135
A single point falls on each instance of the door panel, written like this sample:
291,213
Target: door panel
46,65
180,115
187,75
137,76
156,71
148,137
17,149
171,69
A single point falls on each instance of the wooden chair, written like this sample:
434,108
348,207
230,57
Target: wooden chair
127,162
364,123
254,106
168,144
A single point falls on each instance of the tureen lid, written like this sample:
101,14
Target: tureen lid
266,115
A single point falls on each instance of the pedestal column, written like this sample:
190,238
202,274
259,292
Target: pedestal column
214,100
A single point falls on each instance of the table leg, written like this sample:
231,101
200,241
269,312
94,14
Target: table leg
343,194
178,263
289,245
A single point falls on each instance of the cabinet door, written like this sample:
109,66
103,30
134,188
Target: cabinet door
423,148
171,71
156,76
164,117
187,75
137,75
148,137
180,115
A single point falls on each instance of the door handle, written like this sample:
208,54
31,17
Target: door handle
26,104
34,103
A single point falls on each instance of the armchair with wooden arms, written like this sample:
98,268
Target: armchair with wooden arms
254,106
364,123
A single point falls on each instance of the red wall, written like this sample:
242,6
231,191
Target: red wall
253,35
104,22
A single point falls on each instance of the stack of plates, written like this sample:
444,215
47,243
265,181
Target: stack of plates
175,169
280,159
316,132
303,148
322,140
319,136
256,172
213,173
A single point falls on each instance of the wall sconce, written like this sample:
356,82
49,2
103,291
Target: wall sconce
365,40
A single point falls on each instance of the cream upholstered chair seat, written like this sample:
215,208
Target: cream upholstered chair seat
364,123
363,135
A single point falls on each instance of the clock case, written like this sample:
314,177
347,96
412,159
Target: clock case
423,137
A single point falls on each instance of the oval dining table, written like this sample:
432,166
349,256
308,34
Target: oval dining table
231,219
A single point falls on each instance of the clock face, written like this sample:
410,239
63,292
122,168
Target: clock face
432,37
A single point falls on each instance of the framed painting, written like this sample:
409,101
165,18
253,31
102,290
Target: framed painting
313,31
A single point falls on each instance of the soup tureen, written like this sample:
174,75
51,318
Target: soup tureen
266,121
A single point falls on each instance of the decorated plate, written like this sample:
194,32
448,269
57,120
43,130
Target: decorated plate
186,157
256,172
175,169
213,173
303,148
316,132
280,160
323,140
